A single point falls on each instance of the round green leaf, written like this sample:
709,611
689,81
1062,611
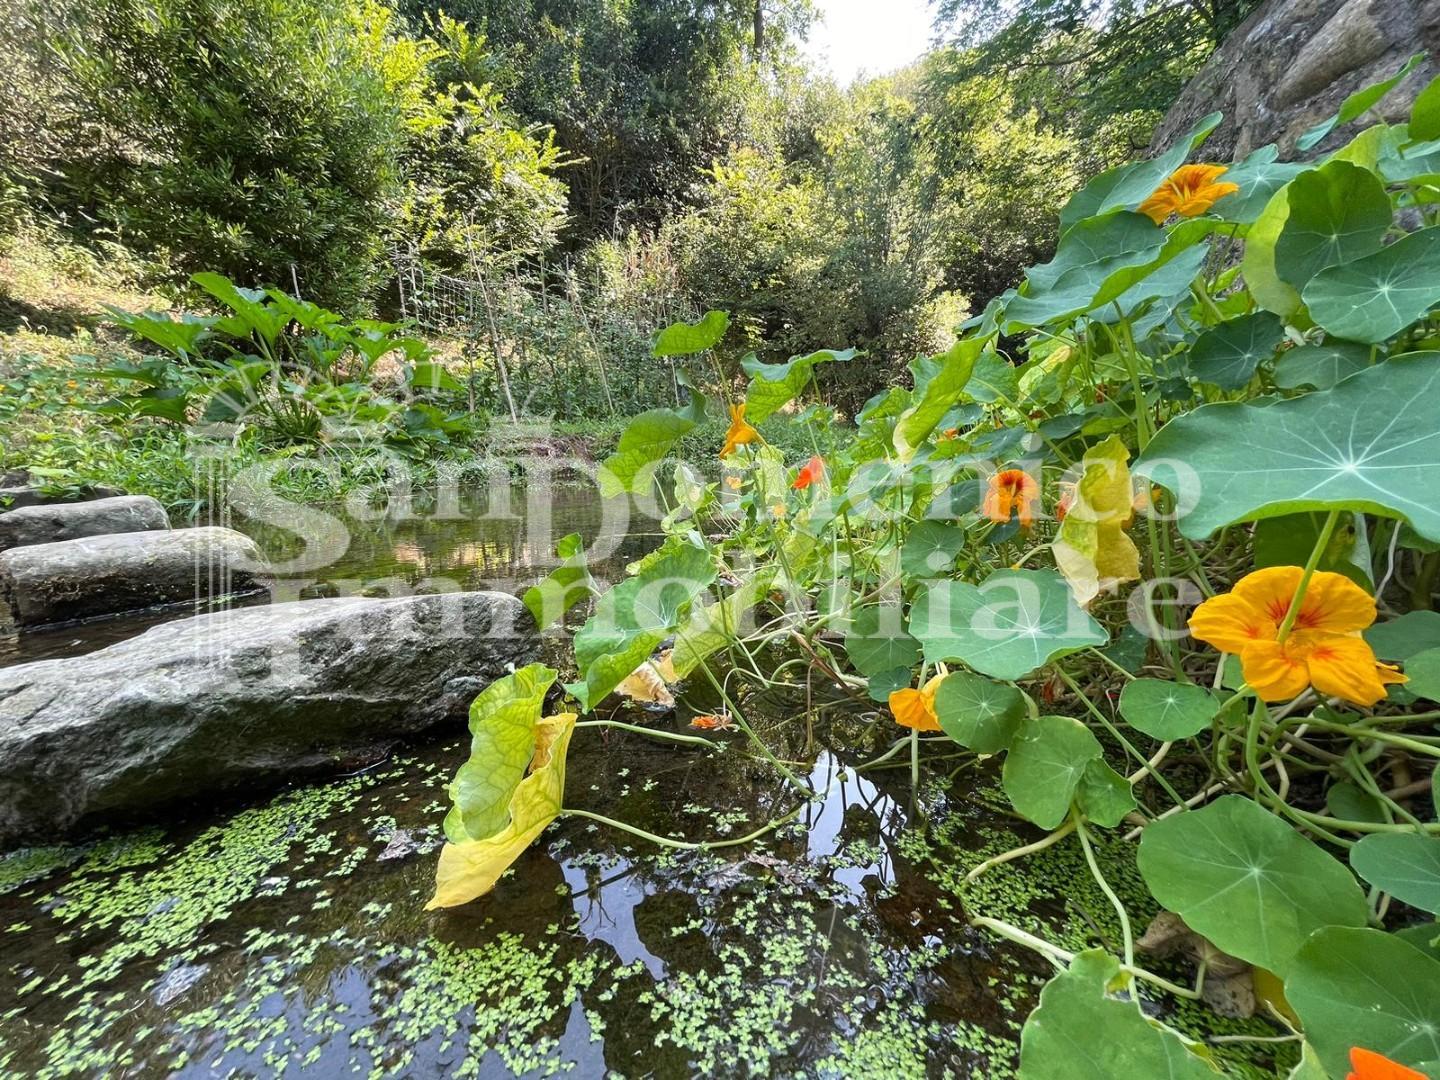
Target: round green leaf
1104,796
1410,634
1227,355
1370,443
877,642
1082,1032
979,714
1167,710
1044,766
1423,671
1009,625
1320,366
1376,297
1243,878
1405,865
887,682
1338,213
930,549
1361,987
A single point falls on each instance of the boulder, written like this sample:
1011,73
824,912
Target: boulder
51,523
1292,62
105,575
239,700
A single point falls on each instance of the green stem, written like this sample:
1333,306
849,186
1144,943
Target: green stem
650,732
684,845
1316,553
1125,931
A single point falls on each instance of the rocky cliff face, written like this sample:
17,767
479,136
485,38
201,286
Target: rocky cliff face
1293,62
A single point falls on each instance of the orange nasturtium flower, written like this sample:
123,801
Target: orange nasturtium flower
1324,648
809,473
916,708
740,432
1368,1065
1011,492
1189,191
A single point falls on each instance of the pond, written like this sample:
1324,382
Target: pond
285,935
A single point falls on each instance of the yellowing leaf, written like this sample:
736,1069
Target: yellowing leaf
646,685
1092,549
470,869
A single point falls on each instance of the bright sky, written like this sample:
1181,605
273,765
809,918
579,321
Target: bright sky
873,36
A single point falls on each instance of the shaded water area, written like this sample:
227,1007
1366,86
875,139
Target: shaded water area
287,936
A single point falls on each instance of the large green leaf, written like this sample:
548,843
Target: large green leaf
940,392
1167,710
1423,674
1405,865
1425,113
181,335
1082,1031
1410,634
1320,366
1338,213
644,444
711,627
637,615
1266,286
252,315
1361,987
1357,103
1370,443
1097,242
1259,176
1289,540
1042,771
564,587
1129,185
978,713
1227,355
682,338
1243,878
1374,298
1009,625
773,385
877,642
502,741
930,548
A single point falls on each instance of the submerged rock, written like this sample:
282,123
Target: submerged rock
54,522
240,699
104,575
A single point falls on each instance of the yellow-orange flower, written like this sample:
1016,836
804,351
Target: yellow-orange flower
1368,1065
812,471
916,708
1189,191
740,432
1011,492
1324,648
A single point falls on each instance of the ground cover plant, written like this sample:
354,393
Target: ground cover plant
1157,535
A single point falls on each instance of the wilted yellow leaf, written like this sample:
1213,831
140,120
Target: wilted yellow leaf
471,868
1092,549
646,685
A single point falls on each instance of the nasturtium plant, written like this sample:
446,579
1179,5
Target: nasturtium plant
1167,710
1370,443
1227,355
1084,1029
1243,878
1092,548
683,339
1047,759
568,584
1355,986
1405,865
978,713
772,386
1006,627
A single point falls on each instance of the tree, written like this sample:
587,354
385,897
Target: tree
1093,60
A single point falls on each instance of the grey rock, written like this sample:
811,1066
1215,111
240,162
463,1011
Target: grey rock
104,575
1292,62
176,980
240,700
51,523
